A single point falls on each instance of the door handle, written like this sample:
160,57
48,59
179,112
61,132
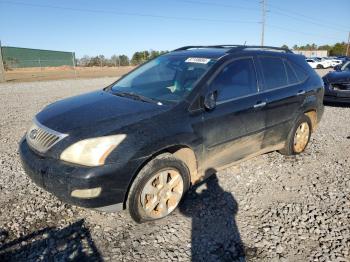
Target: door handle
301,92
259,104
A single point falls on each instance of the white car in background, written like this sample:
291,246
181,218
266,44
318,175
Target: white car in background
324,62
334,61
314,63
318,63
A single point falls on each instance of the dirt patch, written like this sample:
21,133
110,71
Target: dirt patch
63,72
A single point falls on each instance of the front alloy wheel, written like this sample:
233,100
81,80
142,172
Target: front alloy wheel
158,188
162,193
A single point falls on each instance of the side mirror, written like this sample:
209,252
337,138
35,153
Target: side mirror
210,101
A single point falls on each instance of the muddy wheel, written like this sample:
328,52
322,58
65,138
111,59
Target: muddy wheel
298,137
158,188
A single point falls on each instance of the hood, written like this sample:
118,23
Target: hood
96,113
335,76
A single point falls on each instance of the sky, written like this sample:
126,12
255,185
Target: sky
107,27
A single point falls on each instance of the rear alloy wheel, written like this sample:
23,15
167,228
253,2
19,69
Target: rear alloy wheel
299,137
158,188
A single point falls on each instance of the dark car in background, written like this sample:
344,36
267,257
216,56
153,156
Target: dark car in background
141,142
344,58
337,84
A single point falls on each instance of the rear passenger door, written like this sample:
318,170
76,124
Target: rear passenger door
284,95
234,129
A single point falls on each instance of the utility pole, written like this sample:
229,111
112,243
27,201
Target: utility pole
263,5
74,64
2,69
347,48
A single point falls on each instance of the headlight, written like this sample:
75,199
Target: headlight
92,151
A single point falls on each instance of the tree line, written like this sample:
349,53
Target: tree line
142,56
119,60
337,49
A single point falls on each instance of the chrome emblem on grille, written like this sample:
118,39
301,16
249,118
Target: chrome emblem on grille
42,138
33,134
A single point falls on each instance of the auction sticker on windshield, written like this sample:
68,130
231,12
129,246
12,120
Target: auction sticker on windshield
198,60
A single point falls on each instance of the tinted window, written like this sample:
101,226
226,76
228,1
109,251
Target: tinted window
274,73
300,72
292,78
236,79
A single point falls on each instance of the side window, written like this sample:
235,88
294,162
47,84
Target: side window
300,72
292,78
274,72
236,79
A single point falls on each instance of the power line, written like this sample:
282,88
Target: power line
300,32
157,16
276,10
130,14
288,12
303,19
220,5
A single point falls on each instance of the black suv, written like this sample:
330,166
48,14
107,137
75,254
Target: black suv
141,142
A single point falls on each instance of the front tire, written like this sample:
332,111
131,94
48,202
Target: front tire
299,137
158,188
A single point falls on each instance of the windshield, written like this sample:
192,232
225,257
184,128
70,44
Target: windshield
166,78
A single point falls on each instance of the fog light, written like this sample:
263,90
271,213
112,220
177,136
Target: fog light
86,193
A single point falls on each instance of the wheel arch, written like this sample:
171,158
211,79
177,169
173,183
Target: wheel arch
183,152
312,114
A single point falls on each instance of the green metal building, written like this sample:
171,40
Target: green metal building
17,57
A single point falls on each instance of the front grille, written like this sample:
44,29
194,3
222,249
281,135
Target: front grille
42,138
341,86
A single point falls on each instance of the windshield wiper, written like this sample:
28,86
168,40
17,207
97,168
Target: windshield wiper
138,97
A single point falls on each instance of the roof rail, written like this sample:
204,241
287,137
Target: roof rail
243,47
203,46
236,48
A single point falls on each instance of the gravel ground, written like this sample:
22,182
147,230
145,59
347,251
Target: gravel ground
270,208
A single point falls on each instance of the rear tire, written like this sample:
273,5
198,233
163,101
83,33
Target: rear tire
158,188
299,137
320,66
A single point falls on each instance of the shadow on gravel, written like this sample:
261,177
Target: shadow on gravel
215,236
72,243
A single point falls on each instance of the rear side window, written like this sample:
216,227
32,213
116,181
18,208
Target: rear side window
292,78
235,80
274,72
300,72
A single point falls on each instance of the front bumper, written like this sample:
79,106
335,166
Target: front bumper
337,97
61,178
